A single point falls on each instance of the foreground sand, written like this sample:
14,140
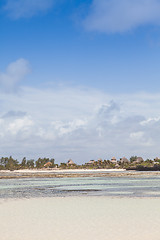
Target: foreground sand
75,218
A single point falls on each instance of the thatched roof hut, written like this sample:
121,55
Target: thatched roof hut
124,160
100,160
139,160
48,164
91,162
113,160
70,162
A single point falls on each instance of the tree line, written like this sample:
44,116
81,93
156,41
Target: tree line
9,163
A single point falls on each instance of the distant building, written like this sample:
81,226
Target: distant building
113,160
124,160
48,164
139,160
91,162
70,162
100,160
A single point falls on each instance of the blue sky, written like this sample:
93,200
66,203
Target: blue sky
77,77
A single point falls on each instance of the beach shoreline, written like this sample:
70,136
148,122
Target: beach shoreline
55,170
73,173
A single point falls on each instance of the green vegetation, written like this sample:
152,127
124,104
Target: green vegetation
134,163
44,162
133,159
12,164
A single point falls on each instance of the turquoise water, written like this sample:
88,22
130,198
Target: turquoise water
145,186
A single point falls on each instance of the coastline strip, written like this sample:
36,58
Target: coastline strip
73,173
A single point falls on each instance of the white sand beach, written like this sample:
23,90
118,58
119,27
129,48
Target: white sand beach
76,218
56,170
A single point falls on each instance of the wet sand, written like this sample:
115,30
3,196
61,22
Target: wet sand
74,173
76,218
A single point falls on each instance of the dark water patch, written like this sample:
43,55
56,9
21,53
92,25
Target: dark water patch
82,190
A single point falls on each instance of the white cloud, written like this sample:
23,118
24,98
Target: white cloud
15,73
20,124
150,121
137,135
77,123
122,15
26,8
63,128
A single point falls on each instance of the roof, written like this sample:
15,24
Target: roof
70,162
100,159
48,164
91,161
124,160
139,159
113,159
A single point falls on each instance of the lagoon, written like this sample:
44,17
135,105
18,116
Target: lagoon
141,186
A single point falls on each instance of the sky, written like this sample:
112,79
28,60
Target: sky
79,79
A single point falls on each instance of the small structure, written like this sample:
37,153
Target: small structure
100,160
124,160
113,160
48,164
70,162
91,162
139,160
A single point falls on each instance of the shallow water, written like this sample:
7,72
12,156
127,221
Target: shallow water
144,186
